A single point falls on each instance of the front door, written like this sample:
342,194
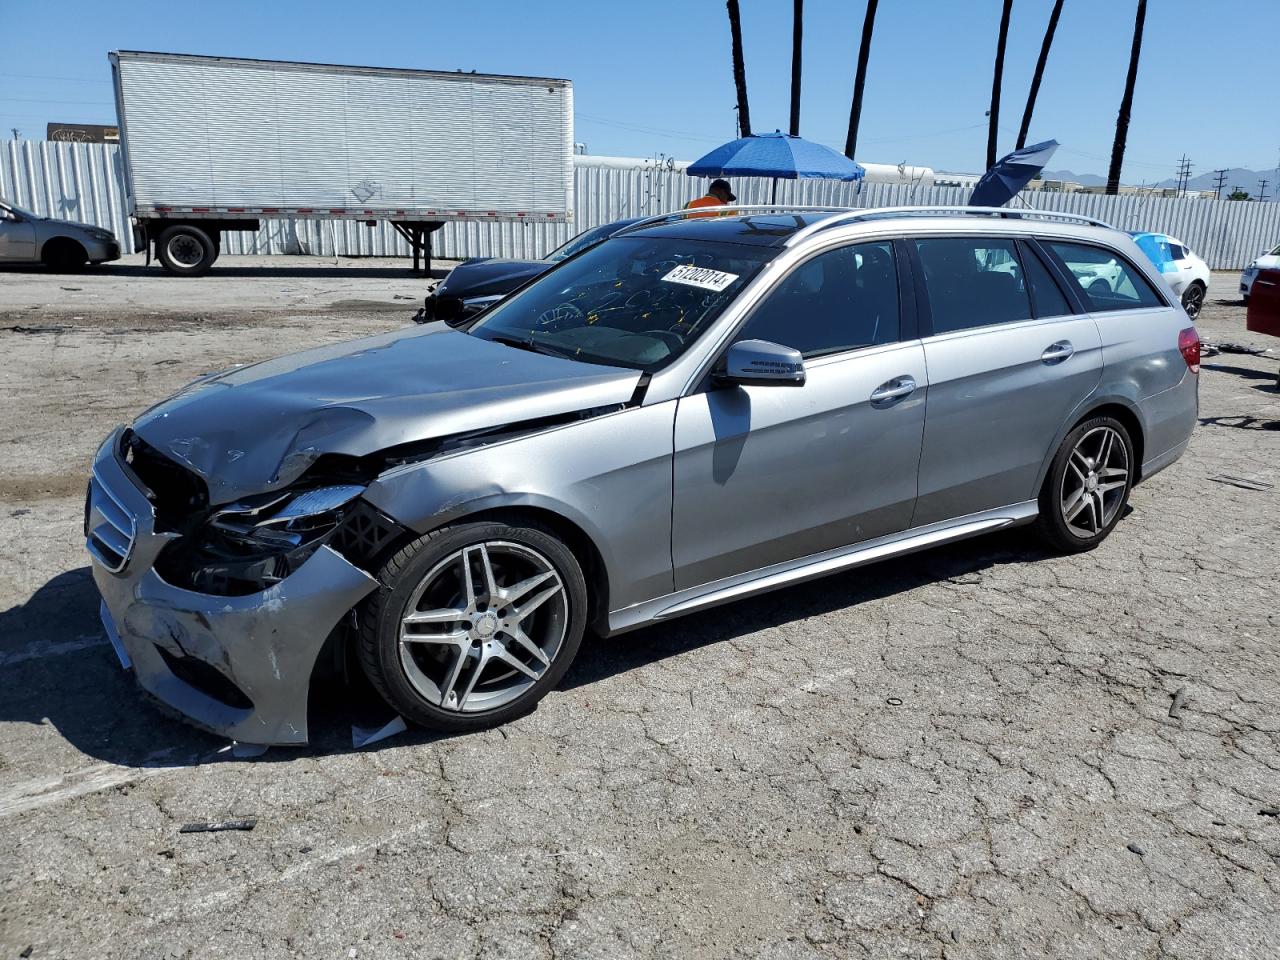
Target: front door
17,237
765,474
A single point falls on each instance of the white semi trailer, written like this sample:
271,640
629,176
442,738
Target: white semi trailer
212,144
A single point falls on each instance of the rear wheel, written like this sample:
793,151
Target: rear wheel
186,250
475,624
1193,299
1088,485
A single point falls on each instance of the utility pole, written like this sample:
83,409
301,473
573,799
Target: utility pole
1184,174
1262,188
1219,179
16,132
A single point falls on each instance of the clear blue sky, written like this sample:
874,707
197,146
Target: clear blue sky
654,76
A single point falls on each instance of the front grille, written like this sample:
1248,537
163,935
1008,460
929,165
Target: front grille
109,528
180,497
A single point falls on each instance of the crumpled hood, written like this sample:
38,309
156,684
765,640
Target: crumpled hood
481,276
258,428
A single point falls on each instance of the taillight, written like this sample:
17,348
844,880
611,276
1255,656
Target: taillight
1189,347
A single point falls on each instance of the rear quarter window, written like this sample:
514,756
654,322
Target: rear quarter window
1107,280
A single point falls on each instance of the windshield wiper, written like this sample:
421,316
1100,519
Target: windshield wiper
515,342
546,349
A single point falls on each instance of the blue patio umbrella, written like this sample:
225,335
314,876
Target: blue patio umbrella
1011,173
779,156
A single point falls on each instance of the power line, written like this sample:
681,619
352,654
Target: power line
95,103
45,76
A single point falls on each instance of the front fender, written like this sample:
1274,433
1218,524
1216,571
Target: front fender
609,475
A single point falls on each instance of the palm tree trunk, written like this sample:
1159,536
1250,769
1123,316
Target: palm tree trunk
864,51
1126,102
739,69
993,117
1039,74
797,36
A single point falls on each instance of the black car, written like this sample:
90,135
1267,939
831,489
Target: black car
475,284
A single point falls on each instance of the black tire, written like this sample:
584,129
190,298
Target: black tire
186,251
64,255
380,621
1052,523
1193,299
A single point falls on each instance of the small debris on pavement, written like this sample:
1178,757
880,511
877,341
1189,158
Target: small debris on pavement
1236,348
1134,848
364,736
1244,483
401,296
894,701
216,826
1269,812
1179,696
26,953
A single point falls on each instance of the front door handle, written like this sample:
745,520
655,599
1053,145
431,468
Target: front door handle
1057,352
893,390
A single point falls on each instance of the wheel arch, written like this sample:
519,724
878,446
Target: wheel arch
575,538
1122,409
60,241
575,534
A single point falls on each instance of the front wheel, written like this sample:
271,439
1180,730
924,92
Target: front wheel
1088,485
1193,299
474,624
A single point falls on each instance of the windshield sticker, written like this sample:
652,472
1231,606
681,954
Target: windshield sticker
703,277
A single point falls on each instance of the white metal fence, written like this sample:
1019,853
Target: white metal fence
84,181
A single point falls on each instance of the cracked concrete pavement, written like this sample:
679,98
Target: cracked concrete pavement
965,753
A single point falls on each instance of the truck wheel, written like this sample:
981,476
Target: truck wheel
64,255
186,250
474,624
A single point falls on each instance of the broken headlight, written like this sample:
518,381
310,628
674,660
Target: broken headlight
248,546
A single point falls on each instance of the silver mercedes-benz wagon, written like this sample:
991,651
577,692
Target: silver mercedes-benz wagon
696,410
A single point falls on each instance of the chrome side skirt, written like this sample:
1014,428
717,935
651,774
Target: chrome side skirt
819,565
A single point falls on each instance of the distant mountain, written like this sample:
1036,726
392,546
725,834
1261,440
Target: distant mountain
1084,179
1246,180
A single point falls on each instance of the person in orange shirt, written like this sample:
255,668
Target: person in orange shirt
718,194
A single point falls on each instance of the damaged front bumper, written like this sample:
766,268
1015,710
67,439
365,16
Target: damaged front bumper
239,666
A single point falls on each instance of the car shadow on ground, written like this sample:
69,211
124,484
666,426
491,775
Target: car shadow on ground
58,669
1249,373
299,272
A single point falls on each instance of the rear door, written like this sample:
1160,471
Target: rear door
765,474
1009,358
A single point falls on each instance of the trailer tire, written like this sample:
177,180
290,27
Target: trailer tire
186,251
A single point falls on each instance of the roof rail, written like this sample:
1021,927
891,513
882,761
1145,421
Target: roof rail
873,213
727,208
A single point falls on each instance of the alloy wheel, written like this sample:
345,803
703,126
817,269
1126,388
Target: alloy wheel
483,626
1193,300
1093,485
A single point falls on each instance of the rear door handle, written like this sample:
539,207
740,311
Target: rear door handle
893,390
1057,352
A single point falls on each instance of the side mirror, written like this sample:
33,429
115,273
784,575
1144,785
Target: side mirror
8,215
761,363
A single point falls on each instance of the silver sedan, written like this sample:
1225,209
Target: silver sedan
26,237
